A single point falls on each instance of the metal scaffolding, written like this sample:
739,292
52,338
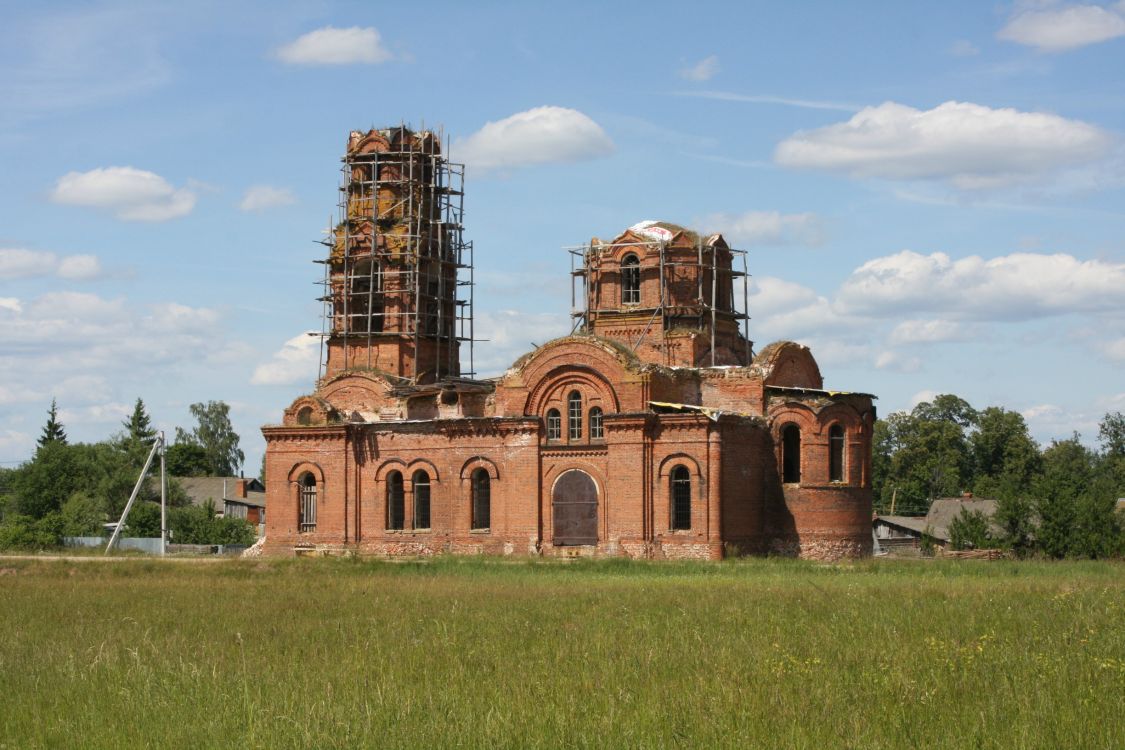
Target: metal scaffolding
711,274
398,266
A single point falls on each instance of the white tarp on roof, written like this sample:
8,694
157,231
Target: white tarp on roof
651,230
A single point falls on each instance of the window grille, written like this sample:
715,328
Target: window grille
307,503
396,508
554,425
630,280
482,499
836,453
421,500
574,415
681,498
597,432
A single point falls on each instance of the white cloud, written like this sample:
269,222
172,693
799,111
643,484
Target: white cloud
969,145
542,135
11,304
1009,287
963,48
332,46
295,363
927,332
263,197
897,362
129,194
767,228
1041,411
926,396
509,334
704,70
18,263
1066,28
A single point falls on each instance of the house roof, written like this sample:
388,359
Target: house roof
940,517
199,489
945,509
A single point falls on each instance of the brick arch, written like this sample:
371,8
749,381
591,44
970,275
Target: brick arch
552,474
479,462
570,377
389,465
843,414
676,459
306,467
796,412
422,463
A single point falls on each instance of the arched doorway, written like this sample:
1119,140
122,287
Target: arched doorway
574,502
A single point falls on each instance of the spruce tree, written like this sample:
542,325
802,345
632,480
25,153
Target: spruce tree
139,425
53,431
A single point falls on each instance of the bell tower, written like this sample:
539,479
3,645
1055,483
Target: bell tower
392,282
667,293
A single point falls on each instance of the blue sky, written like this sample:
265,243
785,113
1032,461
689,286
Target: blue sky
933,198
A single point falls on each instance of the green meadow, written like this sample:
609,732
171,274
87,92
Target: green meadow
325,653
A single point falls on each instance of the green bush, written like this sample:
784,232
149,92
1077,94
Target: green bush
20,532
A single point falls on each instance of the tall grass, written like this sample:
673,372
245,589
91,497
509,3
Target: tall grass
488,653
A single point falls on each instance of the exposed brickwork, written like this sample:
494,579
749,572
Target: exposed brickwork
677,462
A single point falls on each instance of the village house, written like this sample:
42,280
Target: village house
655,430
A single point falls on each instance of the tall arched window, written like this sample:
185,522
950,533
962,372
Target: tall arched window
482,499
396,505
554,425
306,503
597,431
791,453
421,483
835,453
574,415
630,280
681,498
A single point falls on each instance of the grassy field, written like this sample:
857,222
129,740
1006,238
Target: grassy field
479,653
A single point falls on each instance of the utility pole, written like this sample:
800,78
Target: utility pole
157,445
163,498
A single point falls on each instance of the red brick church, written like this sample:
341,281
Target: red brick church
654,430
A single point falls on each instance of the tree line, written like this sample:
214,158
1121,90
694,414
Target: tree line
1059,500
74,489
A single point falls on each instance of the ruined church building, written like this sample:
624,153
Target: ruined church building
652,431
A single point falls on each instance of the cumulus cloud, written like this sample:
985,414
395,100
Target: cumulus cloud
333,46
260,198
767,228
897,362
928,332
18,263
704,70
508,334
129,194
1008,287
1059,29
296,362
969,145
542,135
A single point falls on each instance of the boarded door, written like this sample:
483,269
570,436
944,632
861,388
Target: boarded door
575,504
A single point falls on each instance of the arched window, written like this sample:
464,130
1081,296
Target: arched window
304,415
597,432
554,425
630,280
365,305
791,453
681,498
306,503
574,415
421,500
482,499
396,506
835,453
